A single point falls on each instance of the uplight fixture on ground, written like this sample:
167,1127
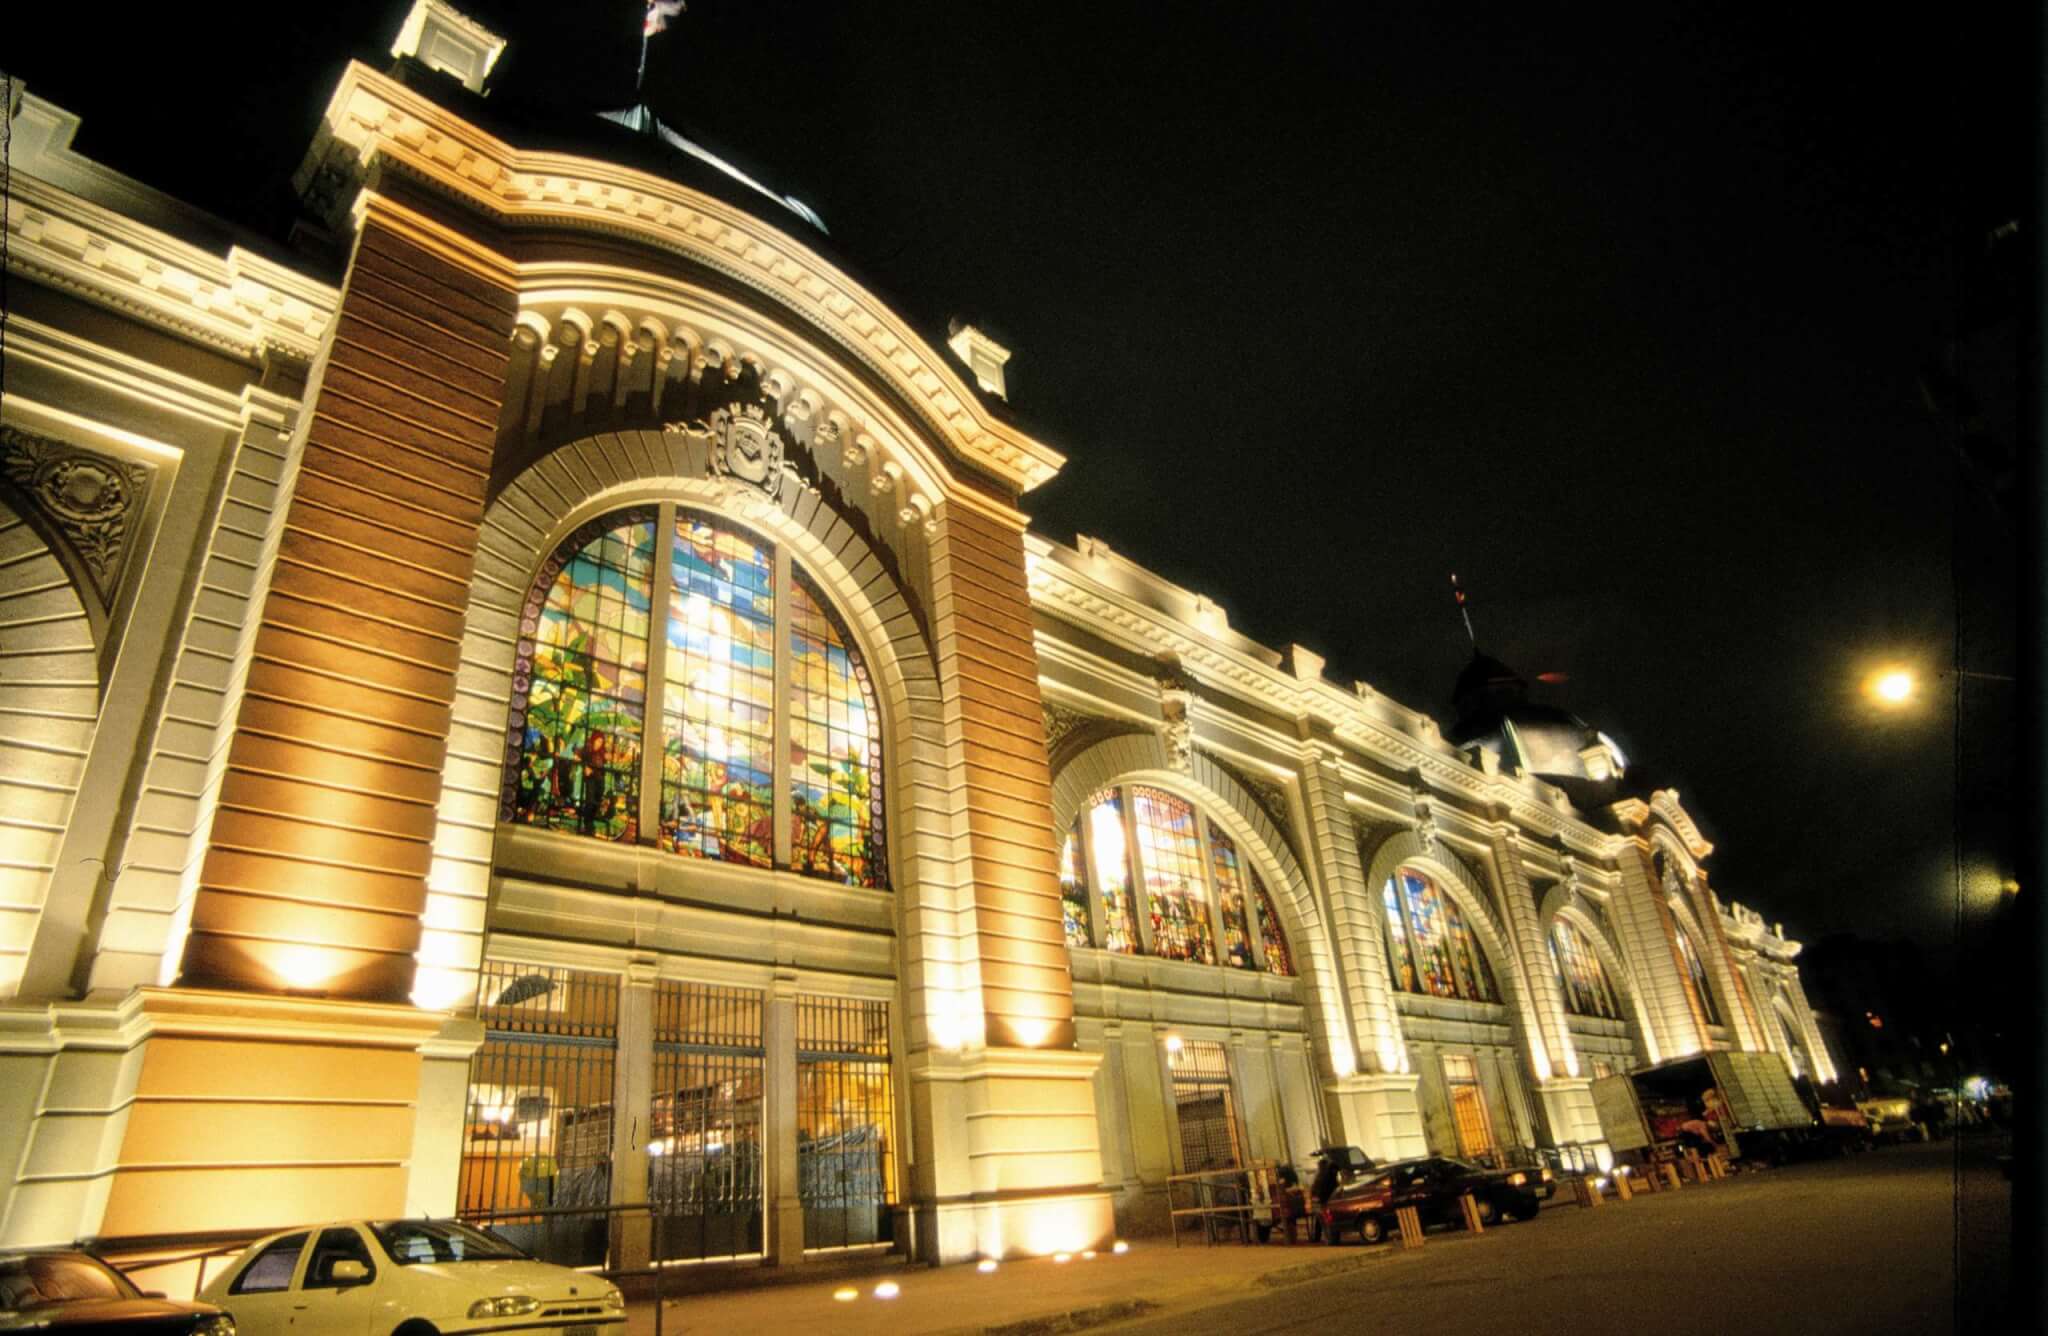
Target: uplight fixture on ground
985,1265
846,1294
888,1289
1121,1248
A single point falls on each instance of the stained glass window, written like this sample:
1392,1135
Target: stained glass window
1274,941
1170,852
1112,859
1073,889
579,684
835,747
1444,957
580,707
1697,968
718,709
1230,900
1580,977
1179,883
1400,959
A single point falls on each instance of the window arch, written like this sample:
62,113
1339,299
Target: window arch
1430,948
673,739
1201,901
1581,978
1697,969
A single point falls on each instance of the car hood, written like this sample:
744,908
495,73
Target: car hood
542,1280
94,1315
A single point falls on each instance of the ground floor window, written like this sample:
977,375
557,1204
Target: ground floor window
704,1176
1468,1106
538,1134
845,1116
1204,1109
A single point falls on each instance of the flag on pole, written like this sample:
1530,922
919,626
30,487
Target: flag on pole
1458,593
659,12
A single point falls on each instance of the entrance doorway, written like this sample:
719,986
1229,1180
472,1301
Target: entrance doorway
1204,1109
1468,1107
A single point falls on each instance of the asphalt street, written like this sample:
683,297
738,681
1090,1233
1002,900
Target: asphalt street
1907,1239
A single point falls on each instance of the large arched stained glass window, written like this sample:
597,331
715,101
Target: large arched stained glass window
579,688
1580,976
1430,947
1697,970
1200,890
754,662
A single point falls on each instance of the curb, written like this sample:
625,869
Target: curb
1335,1266
1077,1319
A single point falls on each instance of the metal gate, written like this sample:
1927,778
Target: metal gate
537,1140
1203,1108
845,1121
704,1179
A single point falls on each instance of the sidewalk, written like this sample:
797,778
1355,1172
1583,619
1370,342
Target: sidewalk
1018,1299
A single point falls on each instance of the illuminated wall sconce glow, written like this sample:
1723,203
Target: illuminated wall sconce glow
1174,1045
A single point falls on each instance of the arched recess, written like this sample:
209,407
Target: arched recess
1406,849
1682,912
1562,902
1141,758
49,707
522,527
1787,1020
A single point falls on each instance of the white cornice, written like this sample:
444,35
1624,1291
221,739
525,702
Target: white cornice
239,303
372,120
1367,724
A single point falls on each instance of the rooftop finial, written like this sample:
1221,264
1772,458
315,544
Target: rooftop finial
1458,593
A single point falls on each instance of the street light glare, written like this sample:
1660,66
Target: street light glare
1892,686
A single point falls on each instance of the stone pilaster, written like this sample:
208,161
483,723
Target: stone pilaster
1643,922
1542,1022
316,865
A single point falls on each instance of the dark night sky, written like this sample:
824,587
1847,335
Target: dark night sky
1622,323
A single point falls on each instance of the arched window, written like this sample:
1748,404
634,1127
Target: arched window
1581,979
1203,901
1430,947
615,731
1697,969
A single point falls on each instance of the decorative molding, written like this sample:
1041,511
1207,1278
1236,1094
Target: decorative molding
1268,794
1068,732
241,304
91,501
373,121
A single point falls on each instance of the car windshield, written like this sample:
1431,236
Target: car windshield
410,1241
1377,1183
37,1281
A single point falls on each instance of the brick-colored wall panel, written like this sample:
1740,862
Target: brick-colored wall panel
354,681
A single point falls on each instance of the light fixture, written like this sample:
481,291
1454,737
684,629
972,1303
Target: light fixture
846,1294
1063,1257
1120,1248
1174,1043
887,1290
986,1265
1890,686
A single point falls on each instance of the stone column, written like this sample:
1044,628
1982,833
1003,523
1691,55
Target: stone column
632,1113
1563,1092
316,865
784,1240
1742,1017
1373,1094
1644,922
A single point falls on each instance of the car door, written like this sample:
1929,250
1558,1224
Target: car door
329,1305
261,1297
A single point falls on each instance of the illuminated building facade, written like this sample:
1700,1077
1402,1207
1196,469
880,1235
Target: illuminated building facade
568,713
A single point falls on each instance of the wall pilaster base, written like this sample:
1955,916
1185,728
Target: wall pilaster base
1020,1166
1568,1111
1378,1112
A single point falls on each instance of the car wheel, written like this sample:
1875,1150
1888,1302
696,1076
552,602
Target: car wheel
416,1327
1372,1229
1488,1210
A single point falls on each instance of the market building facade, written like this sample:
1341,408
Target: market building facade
570,716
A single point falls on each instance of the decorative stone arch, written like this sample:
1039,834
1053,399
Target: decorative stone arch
521,528
1406,849
1561,902
1141,758
49,708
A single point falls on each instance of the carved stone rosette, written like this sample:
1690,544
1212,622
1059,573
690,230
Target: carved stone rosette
92,501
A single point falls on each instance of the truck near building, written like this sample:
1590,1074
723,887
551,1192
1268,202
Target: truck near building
1747,1100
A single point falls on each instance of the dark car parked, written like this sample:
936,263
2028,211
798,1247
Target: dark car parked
76,1294
1432,1185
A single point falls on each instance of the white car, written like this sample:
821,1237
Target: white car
407,1278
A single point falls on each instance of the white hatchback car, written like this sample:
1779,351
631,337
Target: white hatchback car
407,1278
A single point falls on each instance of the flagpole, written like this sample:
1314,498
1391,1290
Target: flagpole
1458,593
